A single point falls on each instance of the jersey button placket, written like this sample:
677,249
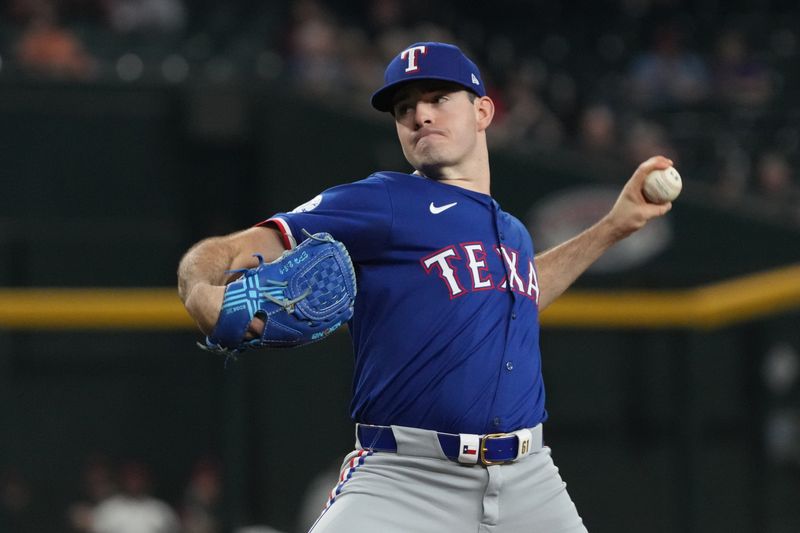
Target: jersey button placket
509,365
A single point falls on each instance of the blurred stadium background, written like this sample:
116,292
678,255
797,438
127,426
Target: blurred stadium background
129,129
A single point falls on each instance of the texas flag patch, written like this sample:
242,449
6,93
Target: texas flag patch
468,448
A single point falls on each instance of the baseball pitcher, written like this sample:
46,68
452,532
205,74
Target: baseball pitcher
442,290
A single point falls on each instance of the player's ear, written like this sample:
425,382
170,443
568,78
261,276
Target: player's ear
484,112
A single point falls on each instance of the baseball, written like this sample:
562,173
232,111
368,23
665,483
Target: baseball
662,186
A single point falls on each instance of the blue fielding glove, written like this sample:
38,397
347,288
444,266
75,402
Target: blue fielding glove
303,296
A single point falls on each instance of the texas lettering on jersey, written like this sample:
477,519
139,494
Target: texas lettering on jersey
448,263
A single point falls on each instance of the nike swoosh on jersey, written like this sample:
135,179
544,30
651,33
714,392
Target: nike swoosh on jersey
436,210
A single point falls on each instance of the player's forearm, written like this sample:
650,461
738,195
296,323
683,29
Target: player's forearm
204,270
205,263
201,279
559,267
209,261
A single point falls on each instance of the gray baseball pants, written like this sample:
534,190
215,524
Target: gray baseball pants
419,490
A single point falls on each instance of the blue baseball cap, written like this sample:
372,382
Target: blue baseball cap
428,61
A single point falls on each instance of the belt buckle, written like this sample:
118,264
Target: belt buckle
482,455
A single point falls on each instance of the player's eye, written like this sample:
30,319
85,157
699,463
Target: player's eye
401,109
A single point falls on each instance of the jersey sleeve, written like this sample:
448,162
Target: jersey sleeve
358,214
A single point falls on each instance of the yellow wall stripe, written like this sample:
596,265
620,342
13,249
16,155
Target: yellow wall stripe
111,308
711,306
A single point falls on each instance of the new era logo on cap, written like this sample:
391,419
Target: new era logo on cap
428,61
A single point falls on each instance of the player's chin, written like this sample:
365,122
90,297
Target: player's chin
432,158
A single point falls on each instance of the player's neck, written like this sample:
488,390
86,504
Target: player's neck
481,186
474,177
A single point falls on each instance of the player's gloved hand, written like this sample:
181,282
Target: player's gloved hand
302,297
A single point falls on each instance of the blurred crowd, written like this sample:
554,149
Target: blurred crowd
711,84
127,496
115,498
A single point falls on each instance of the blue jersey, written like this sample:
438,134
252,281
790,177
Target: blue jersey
445,330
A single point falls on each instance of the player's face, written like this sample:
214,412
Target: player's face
437,124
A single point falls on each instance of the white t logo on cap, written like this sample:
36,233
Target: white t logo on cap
411,54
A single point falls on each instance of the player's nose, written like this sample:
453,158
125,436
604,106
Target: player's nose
423,114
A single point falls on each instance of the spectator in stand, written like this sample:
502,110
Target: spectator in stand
47,48
644,137
384,15
200,512
668,75
314,58
316,495
774,175
134,510
740,77
18,510
98,484
362,64
776,182
527,120
129,16
735,167
597,134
